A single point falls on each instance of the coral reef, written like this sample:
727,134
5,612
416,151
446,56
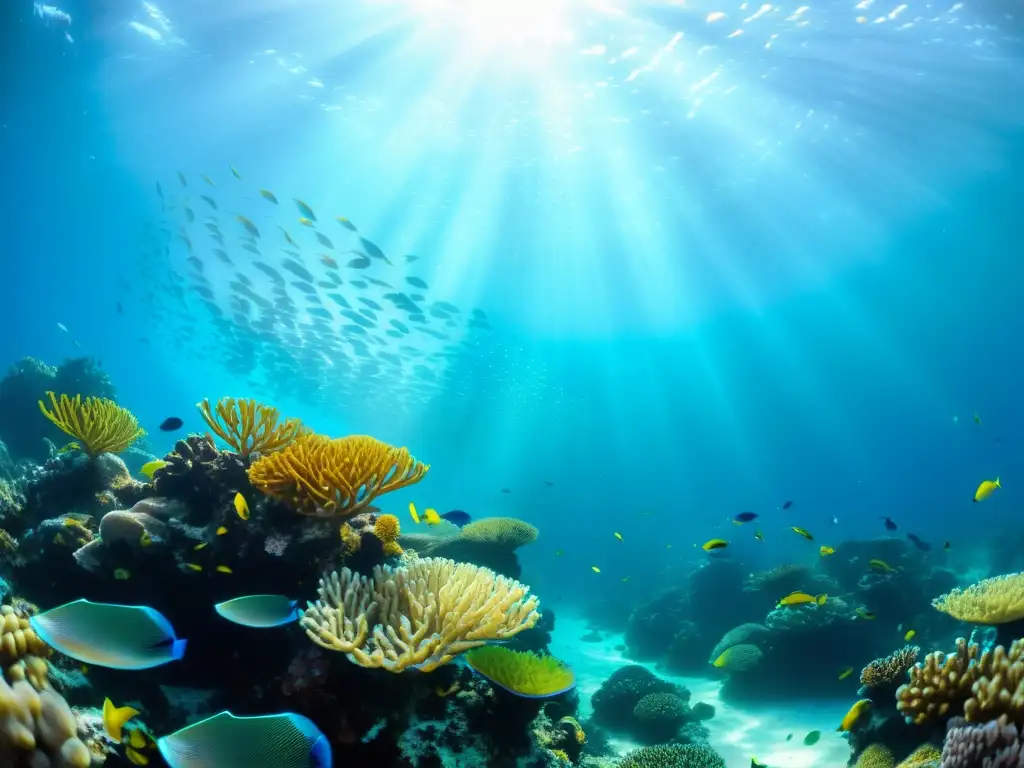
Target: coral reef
658,716
995,744
875,756
925,756
673,756
98,425
249,426
891,670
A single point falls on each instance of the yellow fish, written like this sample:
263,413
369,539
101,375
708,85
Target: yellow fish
221,531
803,532
145,539
114,719
241,507
826,551
880,565
595,569
618,536
431,517
137,739
197,547
802,598
845,673
235,173
412,511
854,714
986,489
866,615
224,569
193,567
346,223
122,574
150,467
266,194
135,757
306,222
909,635
707,546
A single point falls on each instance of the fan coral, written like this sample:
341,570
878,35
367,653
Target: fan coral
507,532
996,744
521,672
940,684
673,756
249,426
17,638
323,477
997,600
891,669
922,757
875,756
421,614
99,425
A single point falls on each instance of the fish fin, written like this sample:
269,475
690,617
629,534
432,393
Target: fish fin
178,648
997,482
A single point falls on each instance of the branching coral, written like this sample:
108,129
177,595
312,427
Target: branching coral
99,425
940,684
875,756
673,756
999,688
421,614
509,532
323,477
249,426
890,670
998,600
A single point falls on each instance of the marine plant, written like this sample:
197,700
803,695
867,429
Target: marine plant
249,426
421,614
325,477
890,669
521,672
509,532
99,425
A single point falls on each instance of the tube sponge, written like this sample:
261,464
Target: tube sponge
420,614
520,672
997,600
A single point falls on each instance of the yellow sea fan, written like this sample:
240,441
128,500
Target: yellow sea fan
387,528
521,672
926,754
875,756
323,477
249,426
98,424
507,532
997,600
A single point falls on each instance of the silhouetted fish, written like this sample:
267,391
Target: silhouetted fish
171,424
924,546
456,516
889,524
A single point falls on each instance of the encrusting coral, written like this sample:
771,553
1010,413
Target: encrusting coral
890,670
998,600
325,477
249,427
99,425
421,614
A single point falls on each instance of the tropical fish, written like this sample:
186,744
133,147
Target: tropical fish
193,567
430,517
787,504
812,738
110,635
306,222
304,209
559,552
241,506
845,673
924,546
889,524
824,551
259,611
122,574
413,513
865,614
150,467
803,532
222,530
114,719
224,569
880,565
135,757
909,635
285,740
977,419
802,598
200,545
986,489
618,535
266,194
170,424
346,223
456,517
235,173
249,226
595,569
758,536
713,544
745,517
851,717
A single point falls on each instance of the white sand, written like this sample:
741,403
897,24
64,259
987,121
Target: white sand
736,734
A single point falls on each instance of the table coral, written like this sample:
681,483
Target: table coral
998,600
421,614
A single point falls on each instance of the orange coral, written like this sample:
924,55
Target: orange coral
323,477
249,426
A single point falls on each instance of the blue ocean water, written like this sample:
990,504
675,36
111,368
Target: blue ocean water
730,255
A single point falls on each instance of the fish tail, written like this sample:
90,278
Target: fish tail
997,482
178,649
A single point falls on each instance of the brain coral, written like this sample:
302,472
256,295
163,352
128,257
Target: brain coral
659,715
674,756
617,697
507,532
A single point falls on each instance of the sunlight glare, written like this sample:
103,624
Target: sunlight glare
491,25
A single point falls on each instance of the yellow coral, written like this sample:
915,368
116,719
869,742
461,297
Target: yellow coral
100,425
392,549
997,600
561,755
891,669
521,672
17,638
421,614
875,756
940,684
924,755
324,477
351,542
387,528
507,532
249,426
999,687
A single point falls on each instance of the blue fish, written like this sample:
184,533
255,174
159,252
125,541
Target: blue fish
260,611
457,516
109,635
285,740
924,546
745,517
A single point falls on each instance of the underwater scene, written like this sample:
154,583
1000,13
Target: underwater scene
512,384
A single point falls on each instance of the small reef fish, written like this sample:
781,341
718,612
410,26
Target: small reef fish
241,506
880,565
865,614
758,536
266,194
304,209
110,635
851,717
413,513
787,504
618,535
150,467
713,544
208,180
222,530
812,738
924,546
259,611
595,569
200,545
249,226
306,222
171,424
986,489
346,223
114,719
889,524
192,567
802,532
845,673
285,740
745,517
224,569
457,517
559,552
909,635
825,551
235,173
977,419
802,598
430,517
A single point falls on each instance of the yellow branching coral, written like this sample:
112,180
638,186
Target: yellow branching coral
249,426
98,424
421,614
942,684
998,600
875,756
999,689
507,532
890,670
925,755
323,477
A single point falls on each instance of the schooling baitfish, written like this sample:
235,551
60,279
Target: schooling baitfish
109,635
